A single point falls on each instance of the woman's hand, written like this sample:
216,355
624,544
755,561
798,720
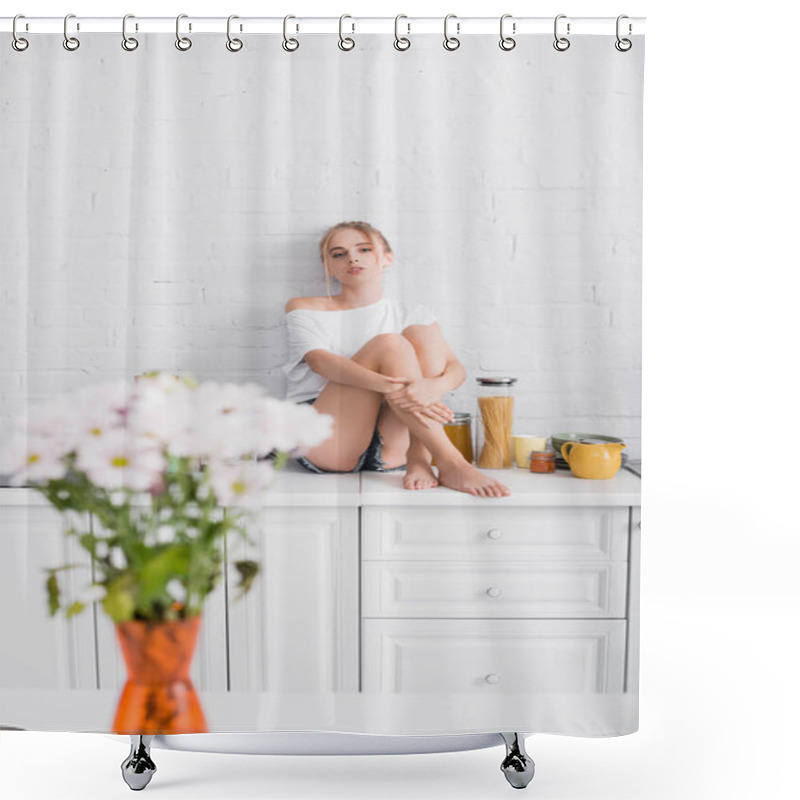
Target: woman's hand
419,396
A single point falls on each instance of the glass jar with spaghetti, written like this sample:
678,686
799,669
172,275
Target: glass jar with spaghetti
495,422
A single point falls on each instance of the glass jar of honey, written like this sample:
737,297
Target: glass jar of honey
459,432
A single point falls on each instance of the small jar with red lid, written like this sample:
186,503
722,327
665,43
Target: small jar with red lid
543,461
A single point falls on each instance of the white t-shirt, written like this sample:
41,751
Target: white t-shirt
340,332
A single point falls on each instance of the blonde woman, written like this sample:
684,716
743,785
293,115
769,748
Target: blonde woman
379,368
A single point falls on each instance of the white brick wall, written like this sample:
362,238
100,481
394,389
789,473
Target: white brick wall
160,207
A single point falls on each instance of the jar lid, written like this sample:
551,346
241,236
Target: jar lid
542,455
496,381
460,418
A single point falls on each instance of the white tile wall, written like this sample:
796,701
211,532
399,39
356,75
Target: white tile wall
160,207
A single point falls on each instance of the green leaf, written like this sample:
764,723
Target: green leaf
280,459
89,542
75,608
53,593
118,602
173,562
247,573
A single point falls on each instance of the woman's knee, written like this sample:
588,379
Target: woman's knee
382,346
391,341
429,348
422,337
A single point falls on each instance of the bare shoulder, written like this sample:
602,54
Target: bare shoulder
313,303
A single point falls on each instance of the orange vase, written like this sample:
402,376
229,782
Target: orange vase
158,696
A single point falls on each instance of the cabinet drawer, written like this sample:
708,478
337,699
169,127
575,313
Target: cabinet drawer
493,655
507,534
466,589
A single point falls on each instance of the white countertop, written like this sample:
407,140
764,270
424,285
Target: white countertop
560,488
296,486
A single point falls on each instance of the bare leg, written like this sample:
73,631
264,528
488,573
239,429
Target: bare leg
454,471
355,410
432,356
354,413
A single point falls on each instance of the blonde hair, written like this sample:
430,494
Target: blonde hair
372,233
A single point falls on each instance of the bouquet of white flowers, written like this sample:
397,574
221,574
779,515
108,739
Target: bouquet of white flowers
167,467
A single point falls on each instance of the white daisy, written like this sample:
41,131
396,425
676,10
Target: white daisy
32,459
102,407
161,414
222,421
241,485
291,427
118,460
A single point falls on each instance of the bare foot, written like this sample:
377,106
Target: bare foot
463,477
420,475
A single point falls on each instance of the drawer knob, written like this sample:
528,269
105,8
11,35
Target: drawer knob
494,533
492,678
494,591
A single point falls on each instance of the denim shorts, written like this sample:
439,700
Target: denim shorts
370,460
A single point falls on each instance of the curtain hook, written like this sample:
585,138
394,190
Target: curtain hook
451,42
507,42
18,43
289,45
182,42
70,42
561,43
346,43
401,42
234,45
128,42
623,45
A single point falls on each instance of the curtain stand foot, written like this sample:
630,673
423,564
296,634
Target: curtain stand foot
517,766
138,768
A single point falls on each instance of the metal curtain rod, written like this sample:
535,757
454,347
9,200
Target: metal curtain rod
462,26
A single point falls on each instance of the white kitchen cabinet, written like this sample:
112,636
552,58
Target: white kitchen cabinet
537,589
40,651
534,592
366,586
297,629
469,533
498,655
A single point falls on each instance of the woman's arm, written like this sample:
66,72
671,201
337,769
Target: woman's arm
344,370
453,376
417,393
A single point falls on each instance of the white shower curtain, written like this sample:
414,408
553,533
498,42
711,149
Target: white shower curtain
159,209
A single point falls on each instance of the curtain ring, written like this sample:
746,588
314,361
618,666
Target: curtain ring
623,45
401,42
234,45
451,42
561,43
182,42
128,42
18,43
346,43
507,42
289,45
70,42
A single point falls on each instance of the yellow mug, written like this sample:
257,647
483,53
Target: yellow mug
593,460
523,445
